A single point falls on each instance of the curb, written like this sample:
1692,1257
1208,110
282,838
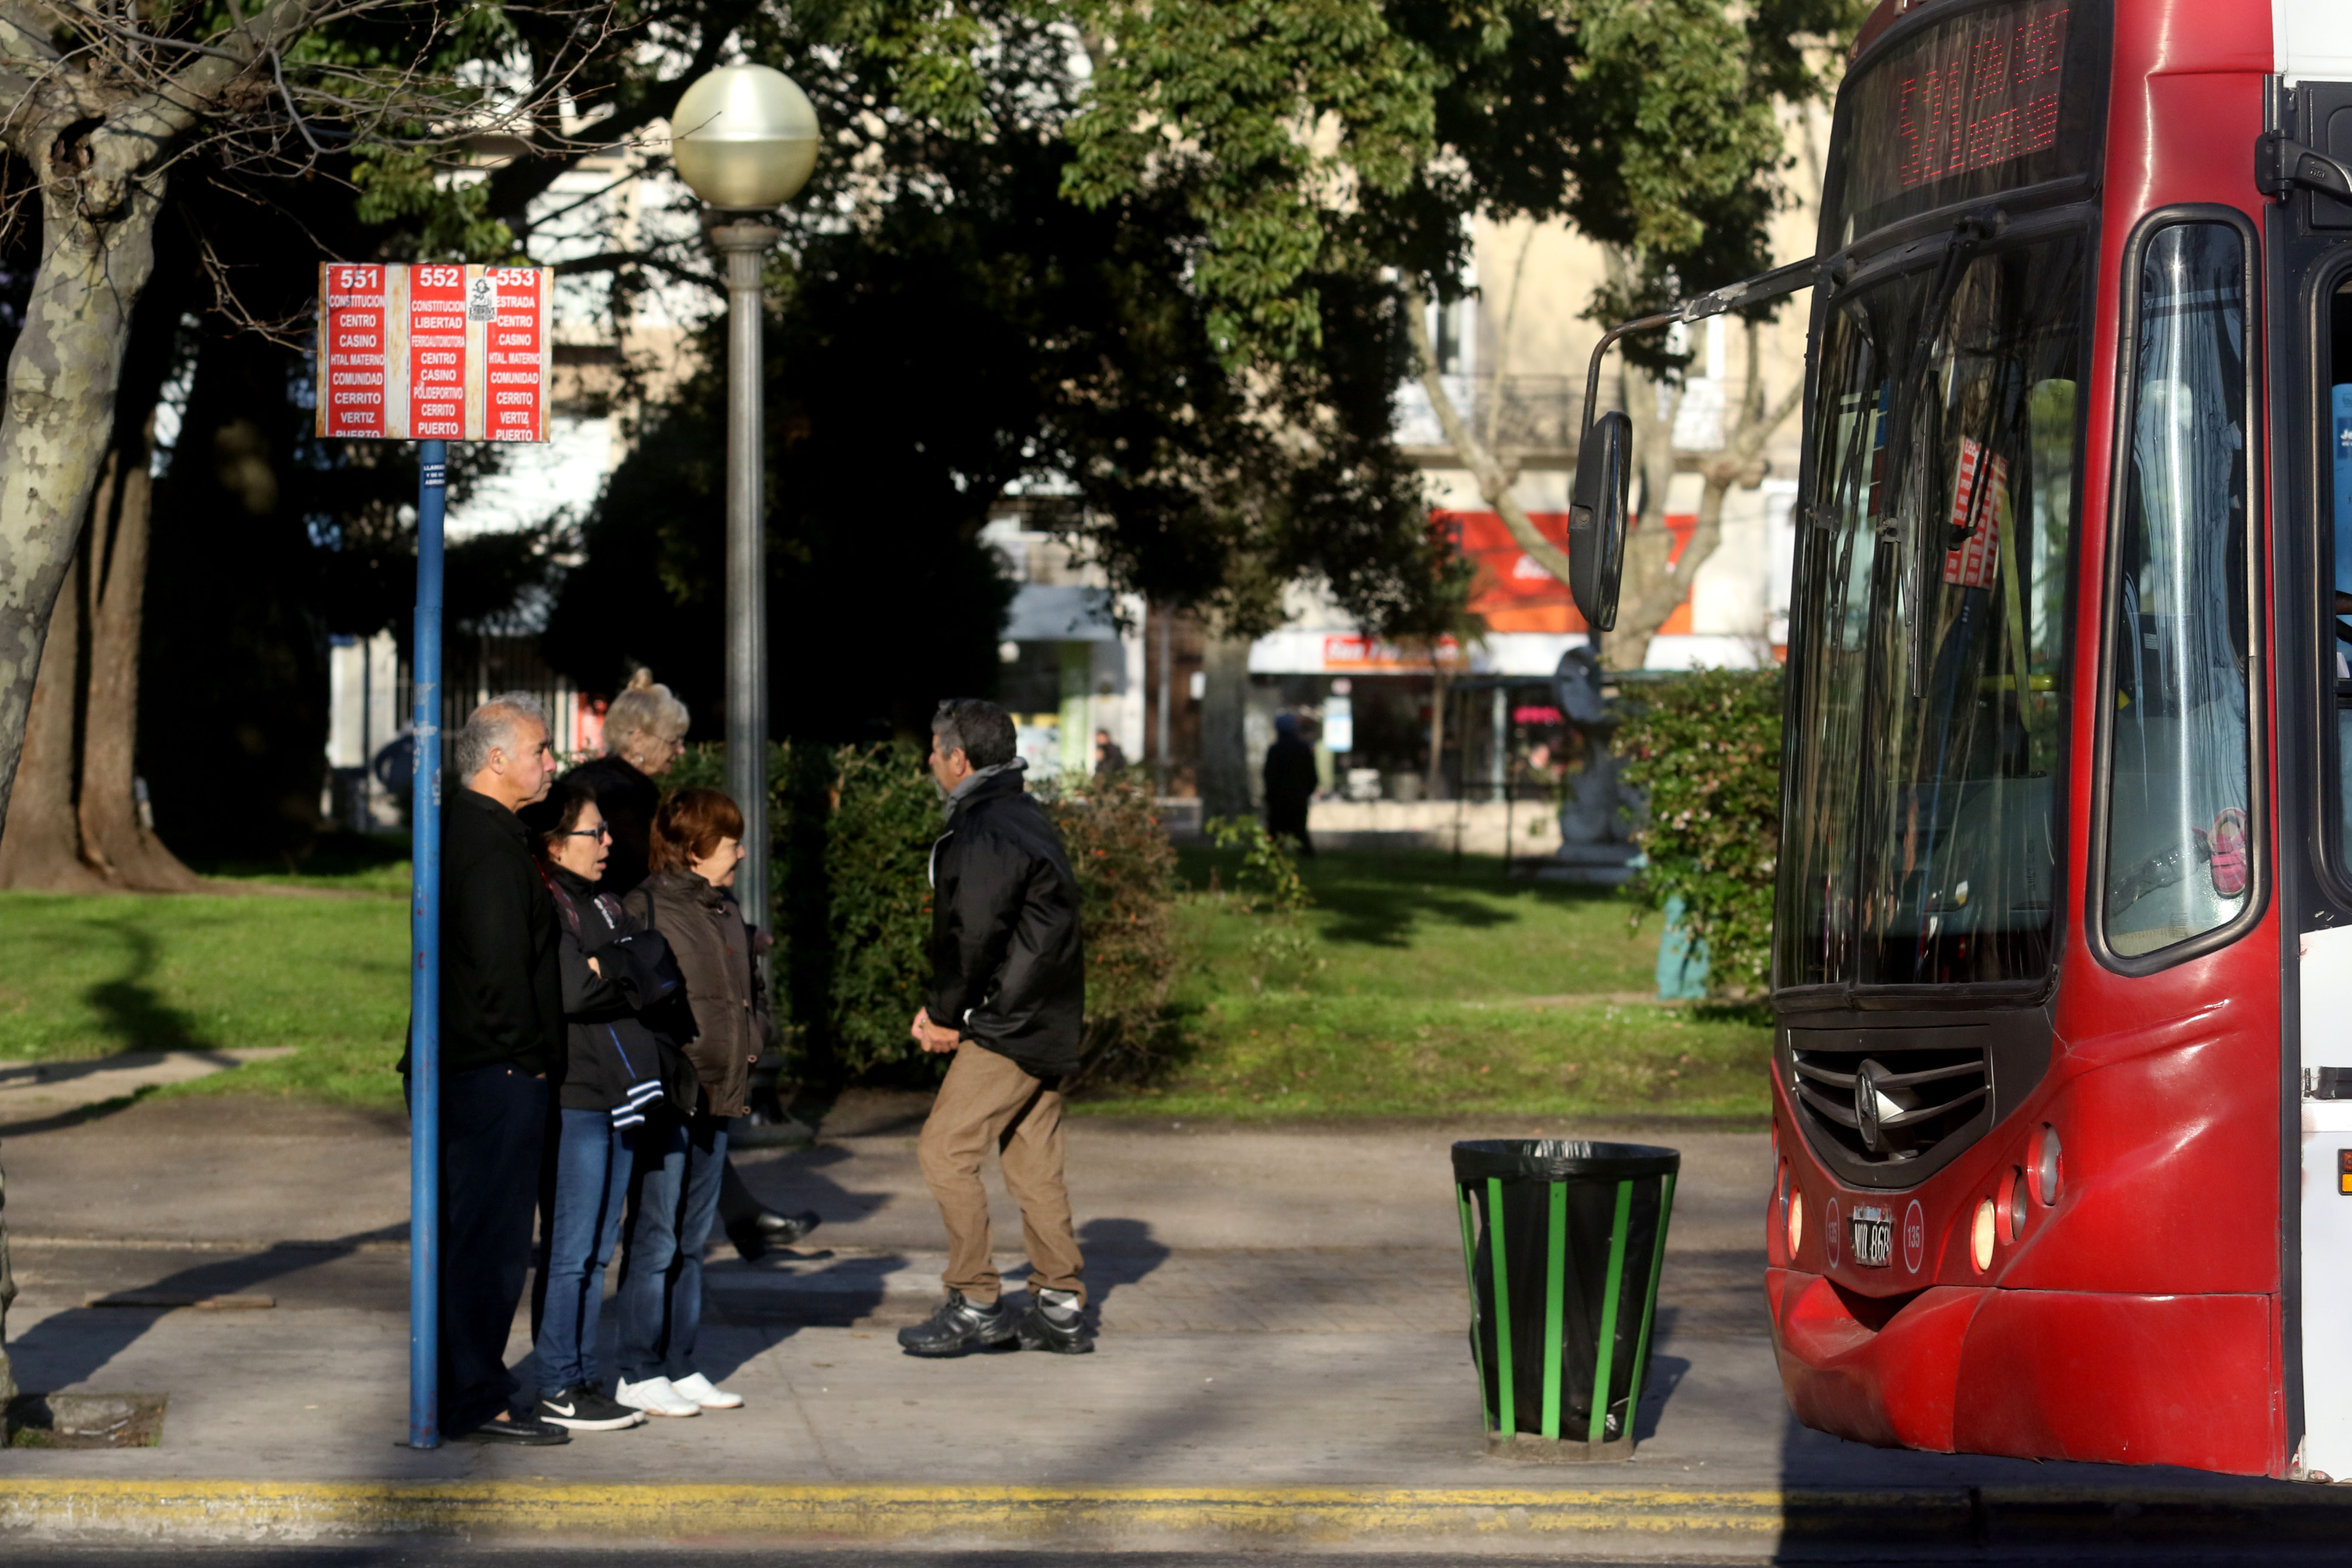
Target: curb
1758,1522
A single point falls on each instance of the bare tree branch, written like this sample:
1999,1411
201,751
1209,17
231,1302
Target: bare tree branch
1493,482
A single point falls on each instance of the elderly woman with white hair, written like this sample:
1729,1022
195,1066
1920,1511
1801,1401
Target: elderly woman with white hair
644,732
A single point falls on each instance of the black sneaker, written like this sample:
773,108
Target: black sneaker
767,1229
583,1409
1050,1326
518,1432
960,1327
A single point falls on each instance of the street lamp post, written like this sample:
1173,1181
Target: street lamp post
746,141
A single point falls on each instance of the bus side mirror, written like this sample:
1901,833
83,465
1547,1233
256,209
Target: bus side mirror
1596,520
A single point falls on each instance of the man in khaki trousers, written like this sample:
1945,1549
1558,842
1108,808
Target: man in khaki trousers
1008,1003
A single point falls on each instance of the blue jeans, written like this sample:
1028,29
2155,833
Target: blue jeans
679,1162
592,1160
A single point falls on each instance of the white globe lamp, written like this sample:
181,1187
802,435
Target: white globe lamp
744,138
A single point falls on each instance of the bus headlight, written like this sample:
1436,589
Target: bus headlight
1980,1237
2049,1166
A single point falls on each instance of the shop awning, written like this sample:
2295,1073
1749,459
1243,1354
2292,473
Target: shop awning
1298,650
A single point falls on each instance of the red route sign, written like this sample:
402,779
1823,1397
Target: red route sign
437,352
432,351
515,391
354,359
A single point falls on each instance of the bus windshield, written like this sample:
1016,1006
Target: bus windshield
1930,623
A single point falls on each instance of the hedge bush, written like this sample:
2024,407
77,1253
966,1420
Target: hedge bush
1706,749
852,829
1126,870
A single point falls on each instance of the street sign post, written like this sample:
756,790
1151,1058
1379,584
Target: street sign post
433,353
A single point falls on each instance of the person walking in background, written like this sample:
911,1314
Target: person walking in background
644,733
1110,760
612,1072
1290,782
501,1034
698,844
1007,1002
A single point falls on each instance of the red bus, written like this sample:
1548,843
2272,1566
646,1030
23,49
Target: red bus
2063,978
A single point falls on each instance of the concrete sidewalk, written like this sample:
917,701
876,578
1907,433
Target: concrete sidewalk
1283,1358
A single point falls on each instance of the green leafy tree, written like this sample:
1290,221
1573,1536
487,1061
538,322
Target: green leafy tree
947,325
1315,139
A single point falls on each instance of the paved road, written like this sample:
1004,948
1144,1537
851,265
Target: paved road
1282,1309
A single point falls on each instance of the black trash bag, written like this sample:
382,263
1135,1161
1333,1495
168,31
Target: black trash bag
1569,1217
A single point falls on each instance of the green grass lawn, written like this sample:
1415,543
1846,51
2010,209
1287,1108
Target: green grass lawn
1414,986
321,969
1411,987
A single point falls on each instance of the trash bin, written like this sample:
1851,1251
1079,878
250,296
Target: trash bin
1563,1241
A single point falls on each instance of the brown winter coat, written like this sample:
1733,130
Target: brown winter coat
703,927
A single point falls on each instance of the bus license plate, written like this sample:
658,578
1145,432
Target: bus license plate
1874,1237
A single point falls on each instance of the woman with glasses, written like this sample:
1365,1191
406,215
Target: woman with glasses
614,974
644,733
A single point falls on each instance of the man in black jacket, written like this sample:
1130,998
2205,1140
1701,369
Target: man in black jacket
501,1034
1008,1000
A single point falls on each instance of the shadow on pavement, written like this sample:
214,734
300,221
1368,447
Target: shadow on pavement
1118,1252
70,1346
1667,1374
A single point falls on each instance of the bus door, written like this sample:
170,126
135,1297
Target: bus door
2309,240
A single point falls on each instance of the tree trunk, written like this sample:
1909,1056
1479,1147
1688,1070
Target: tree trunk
1224,743
114,841
1433,788
62,377
40,847
1656,582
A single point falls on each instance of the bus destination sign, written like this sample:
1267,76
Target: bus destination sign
432,351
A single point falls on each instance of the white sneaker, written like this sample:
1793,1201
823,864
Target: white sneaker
698,1388
656,1396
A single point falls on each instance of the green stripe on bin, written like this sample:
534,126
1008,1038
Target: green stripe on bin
1556,1256
1470,1277
1650,1302
1505,1415
1598,1432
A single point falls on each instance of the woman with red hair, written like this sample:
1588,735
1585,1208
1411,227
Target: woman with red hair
697,845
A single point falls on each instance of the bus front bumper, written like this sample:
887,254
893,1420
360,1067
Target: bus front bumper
2045,1374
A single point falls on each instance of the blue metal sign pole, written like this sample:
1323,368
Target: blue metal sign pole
425,974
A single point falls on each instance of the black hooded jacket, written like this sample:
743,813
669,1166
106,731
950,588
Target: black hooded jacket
613,1060
1008,968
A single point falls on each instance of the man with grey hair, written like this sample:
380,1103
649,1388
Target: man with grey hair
502,1032
1007,1004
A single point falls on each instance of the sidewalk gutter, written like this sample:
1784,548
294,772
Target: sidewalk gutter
1739,1523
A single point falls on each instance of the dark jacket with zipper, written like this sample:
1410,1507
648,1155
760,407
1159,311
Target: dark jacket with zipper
703,927
627,800
501,981
1008,968
613,1060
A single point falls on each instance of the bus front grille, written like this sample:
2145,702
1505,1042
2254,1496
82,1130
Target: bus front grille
1884,1106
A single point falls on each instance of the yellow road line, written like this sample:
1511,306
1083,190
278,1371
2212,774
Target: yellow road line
287,1511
